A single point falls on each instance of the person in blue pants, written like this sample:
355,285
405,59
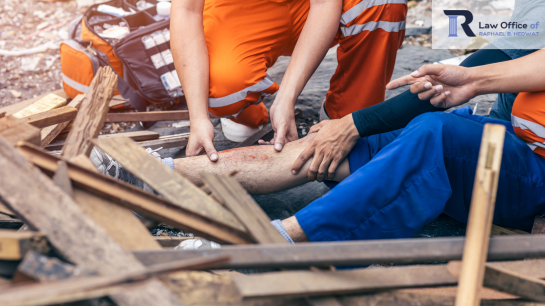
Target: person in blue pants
402,180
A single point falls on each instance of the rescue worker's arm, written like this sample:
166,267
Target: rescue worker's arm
191,60
458,84
315,39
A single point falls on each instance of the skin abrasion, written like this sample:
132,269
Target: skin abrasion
259,169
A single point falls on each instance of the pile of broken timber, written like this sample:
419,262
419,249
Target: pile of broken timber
79,240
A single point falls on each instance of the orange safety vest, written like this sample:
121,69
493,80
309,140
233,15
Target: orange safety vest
528,119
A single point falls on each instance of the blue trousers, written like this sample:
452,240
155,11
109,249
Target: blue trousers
402,180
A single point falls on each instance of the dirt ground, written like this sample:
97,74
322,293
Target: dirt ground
26,24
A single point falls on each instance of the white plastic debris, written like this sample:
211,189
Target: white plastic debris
30,63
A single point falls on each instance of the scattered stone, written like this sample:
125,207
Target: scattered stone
16,94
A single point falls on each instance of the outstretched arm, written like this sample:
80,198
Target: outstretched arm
260,169
191,60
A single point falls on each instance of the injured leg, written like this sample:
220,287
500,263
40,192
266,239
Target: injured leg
260,169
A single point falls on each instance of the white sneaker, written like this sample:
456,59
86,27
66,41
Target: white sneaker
237,132
197,244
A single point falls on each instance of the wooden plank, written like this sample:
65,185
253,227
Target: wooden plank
480,216
8,222
52,117
539,225
80,240
44,104
6,211
498,231
42,268
136,136
266,132
229,192
509,281
166,142
49,133
92,113
352,253
14,244
13,108
322,283
121,223
62,179
171,242
70,290
166,182
148,116
14,130
136,199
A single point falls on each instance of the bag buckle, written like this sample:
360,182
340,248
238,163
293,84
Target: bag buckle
90,48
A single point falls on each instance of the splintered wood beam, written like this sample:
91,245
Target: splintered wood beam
62,180
171,185
49,133
14,245
230,193
14,130
77,289
508,281
49,102
42,268
52,117
321,283
147,116
499,230
265,133
136,136
136,199
480,216
69,230
92,113
353,253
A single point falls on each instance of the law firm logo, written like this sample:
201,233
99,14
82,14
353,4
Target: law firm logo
453,22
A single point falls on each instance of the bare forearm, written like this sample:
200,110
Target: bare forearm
191,55
315,39
524,74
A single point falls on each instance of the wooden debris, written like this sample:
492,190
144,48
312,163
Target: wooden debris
92,113
62,179
166,182
505,280
539,225
166,142
498,231
14,130
14,108
480,216
41,268
52,117
121,223
14,245
148,116
351,253
74,289
136,199
8,222
230,193
49,102
171,242
314,283
136,136
80,240
49,133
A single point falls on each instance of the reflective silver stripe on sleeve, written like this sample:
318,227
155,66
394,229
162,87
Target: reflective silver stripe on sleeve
371,26
241,95
354,12
534,145
524,124
77,86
